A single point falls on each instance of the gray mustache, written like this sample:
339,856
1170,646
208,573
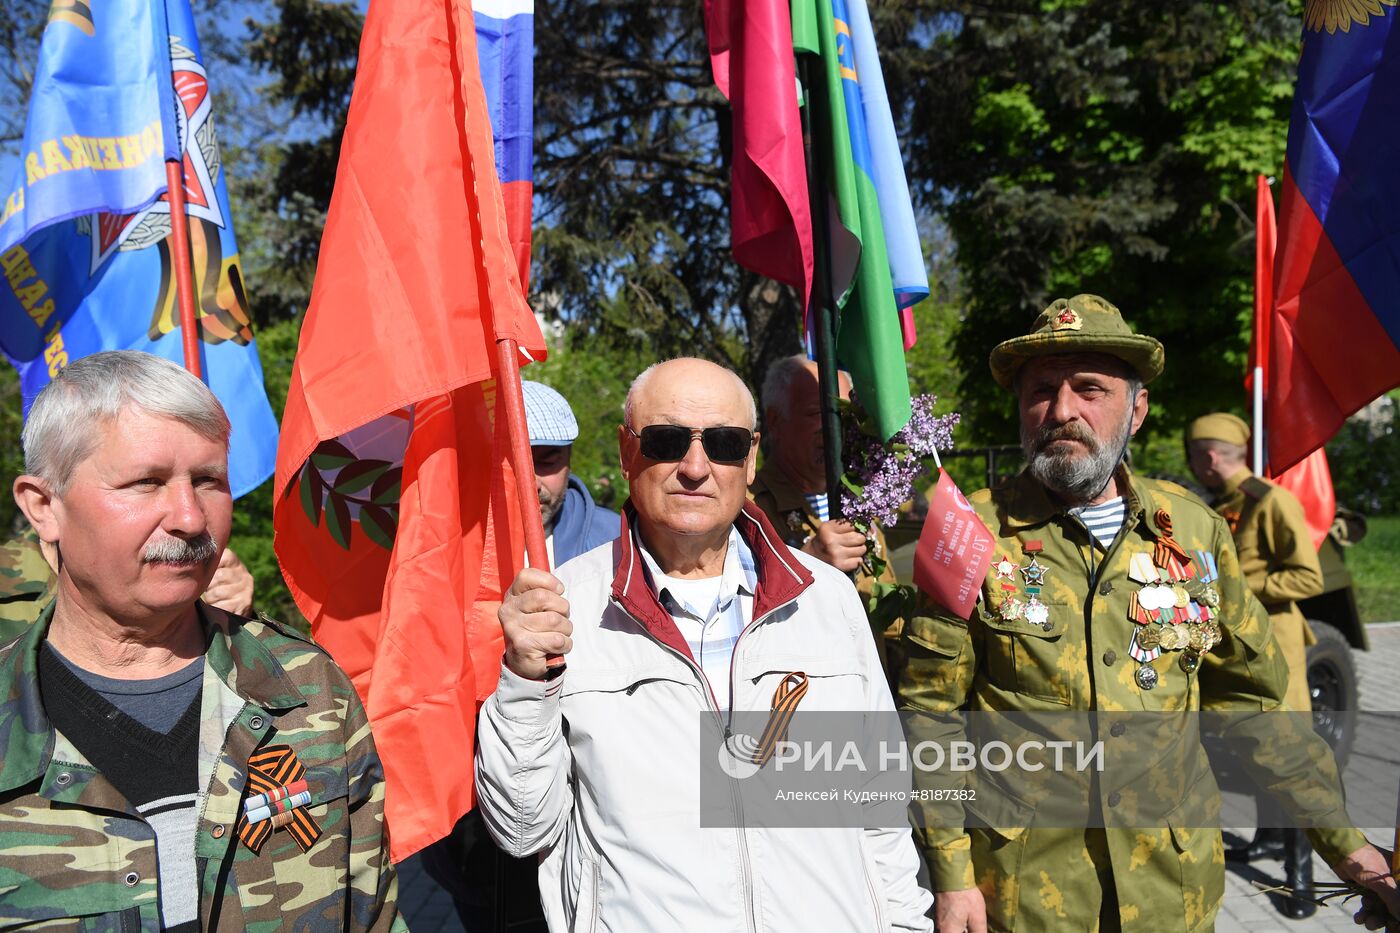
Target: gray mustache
195,550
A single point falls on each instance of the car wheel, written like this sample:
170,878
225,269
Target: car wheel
1332,682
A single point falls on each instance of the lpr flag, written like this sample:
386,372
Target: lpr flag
1335,342
85,243
954,550
396,519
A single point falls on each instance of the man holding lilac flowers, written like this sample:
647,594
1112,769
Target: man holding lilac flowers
1112,593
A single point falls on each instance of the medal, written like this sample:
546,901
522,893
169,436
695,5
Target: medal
1038,614
1150,636
1034,573
1004,568
1182,598
1146,676
1195,638
1140,569
1189,661
1012,609
1172,638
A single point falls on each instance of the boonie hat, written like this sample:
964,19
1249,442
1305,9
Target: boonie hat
1082,324
550,419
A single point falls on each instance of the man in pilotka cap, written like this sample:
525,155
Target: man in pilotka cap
1107,592
1280,566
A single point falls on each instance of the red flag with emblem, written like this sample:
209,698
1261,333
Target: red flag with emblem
396,513
954,550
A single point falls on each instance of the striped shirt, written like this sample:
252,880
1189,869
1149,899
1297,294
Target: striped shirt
1103,521
817,502
711,612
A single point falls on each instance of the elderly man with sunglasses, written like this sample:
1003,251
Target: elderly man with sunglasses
697,612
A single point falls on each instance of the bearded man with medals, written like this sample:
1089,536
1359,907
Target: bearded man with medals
1109,595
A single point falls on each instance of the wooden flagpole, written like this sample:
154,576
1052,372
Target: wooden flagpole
521,460
180,256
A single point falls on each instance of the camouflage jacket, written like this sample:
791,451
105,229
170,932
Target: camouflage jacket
1074,654
1277,558
76,855
26,584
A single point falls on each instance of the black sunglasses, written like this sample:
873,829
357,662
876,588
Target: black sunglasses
667,443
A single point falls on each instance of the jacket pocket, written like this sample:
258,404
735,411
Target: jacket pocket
1195,853
1027,658
586,913
876,886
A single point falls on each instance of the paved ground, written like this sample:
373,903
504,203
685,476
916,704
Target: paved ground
428,909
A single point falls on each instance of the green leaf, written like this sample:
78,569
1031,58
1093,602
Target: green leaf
358,475
338,519
311,493
331,455
380,525
387,489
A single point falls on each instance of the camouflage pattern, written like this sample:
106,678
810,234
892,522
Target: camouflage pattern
1082,324
1279,564
26,584
785,506
74,854
1144,879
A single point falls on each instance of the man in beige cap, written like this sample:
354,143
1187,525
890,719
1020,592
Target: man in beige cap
1107,593
1279,564
1276,553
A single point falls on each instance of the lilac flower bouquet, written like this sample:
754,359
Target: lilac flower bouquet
879,478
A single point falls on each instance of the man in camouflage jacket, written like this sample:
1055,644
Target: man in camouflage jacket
257,805
1069,621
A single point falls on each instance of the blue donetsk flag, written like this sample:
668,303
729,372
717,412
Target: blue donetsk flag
84,246
886,169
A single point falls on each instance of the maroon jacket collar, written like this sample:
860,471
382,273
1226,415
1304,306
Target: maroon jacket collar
780,576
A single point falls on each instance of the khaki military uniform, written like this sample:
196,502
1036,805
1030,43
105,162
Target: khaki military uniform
1077,655
786,507
26,584
78,856
1279,564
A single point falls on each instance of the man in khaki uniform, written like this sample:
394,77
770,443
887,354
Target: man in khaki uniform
1112,593
1275,548
791,486
1280,566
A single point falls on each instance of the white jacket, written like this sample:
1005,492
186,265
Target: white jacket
598,769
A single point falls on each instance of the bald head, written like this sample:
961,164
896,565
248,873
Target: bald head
665,391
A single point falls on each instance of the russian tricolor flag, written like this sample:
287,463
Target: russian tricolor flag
505,46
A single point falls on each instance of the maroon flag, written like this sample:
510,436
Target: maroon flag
770,218
955,550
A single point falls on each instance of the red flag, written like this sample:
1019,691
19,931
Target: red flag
954,550
1265,243
396,516
1310,480
770,217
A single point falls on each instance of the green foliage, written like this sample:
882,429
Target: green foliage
1374,570
1364,458
1098,147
